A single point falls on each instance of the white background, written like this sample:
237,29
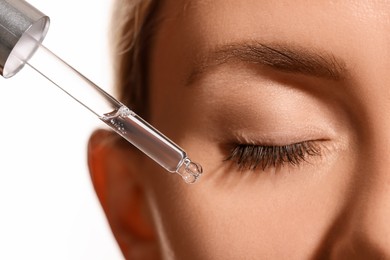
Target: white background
48,209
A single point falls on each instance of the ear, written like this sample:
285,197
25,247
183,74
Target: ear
114,170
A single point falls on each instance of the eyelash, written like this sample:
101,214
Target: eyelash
250,157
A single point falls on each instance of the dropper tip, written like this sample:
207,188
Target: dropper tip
190,171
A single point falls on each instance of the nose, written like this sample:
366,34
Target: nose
362,231
362,228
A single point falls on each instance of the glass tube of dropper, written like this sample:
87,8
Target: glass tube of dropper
117,116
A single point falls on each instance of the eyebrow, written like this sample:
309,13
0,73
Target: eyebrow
281,57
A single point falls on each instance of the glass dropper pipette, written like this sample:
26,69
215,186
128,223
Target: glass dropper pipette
23,28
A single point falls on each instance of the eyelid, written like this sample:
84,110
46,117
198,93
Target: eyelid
250,156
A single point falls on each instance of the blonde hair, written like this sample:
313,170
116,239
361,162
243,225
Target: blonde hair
132,25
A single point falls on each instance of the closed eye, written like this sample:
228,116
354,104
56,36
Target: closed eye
252,157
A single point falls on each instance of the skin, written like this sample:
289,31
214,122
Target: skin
335,205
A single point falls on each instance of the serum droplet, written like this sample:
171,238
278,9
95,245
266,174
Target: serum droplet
190,171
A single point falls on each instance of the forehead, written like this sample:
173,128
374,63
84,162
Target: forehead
354,31
222,20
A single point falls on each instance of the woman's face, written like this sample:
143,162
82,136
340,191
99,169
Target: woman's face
286,104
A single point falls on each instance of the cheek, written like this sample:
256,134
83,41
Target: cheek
238,215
